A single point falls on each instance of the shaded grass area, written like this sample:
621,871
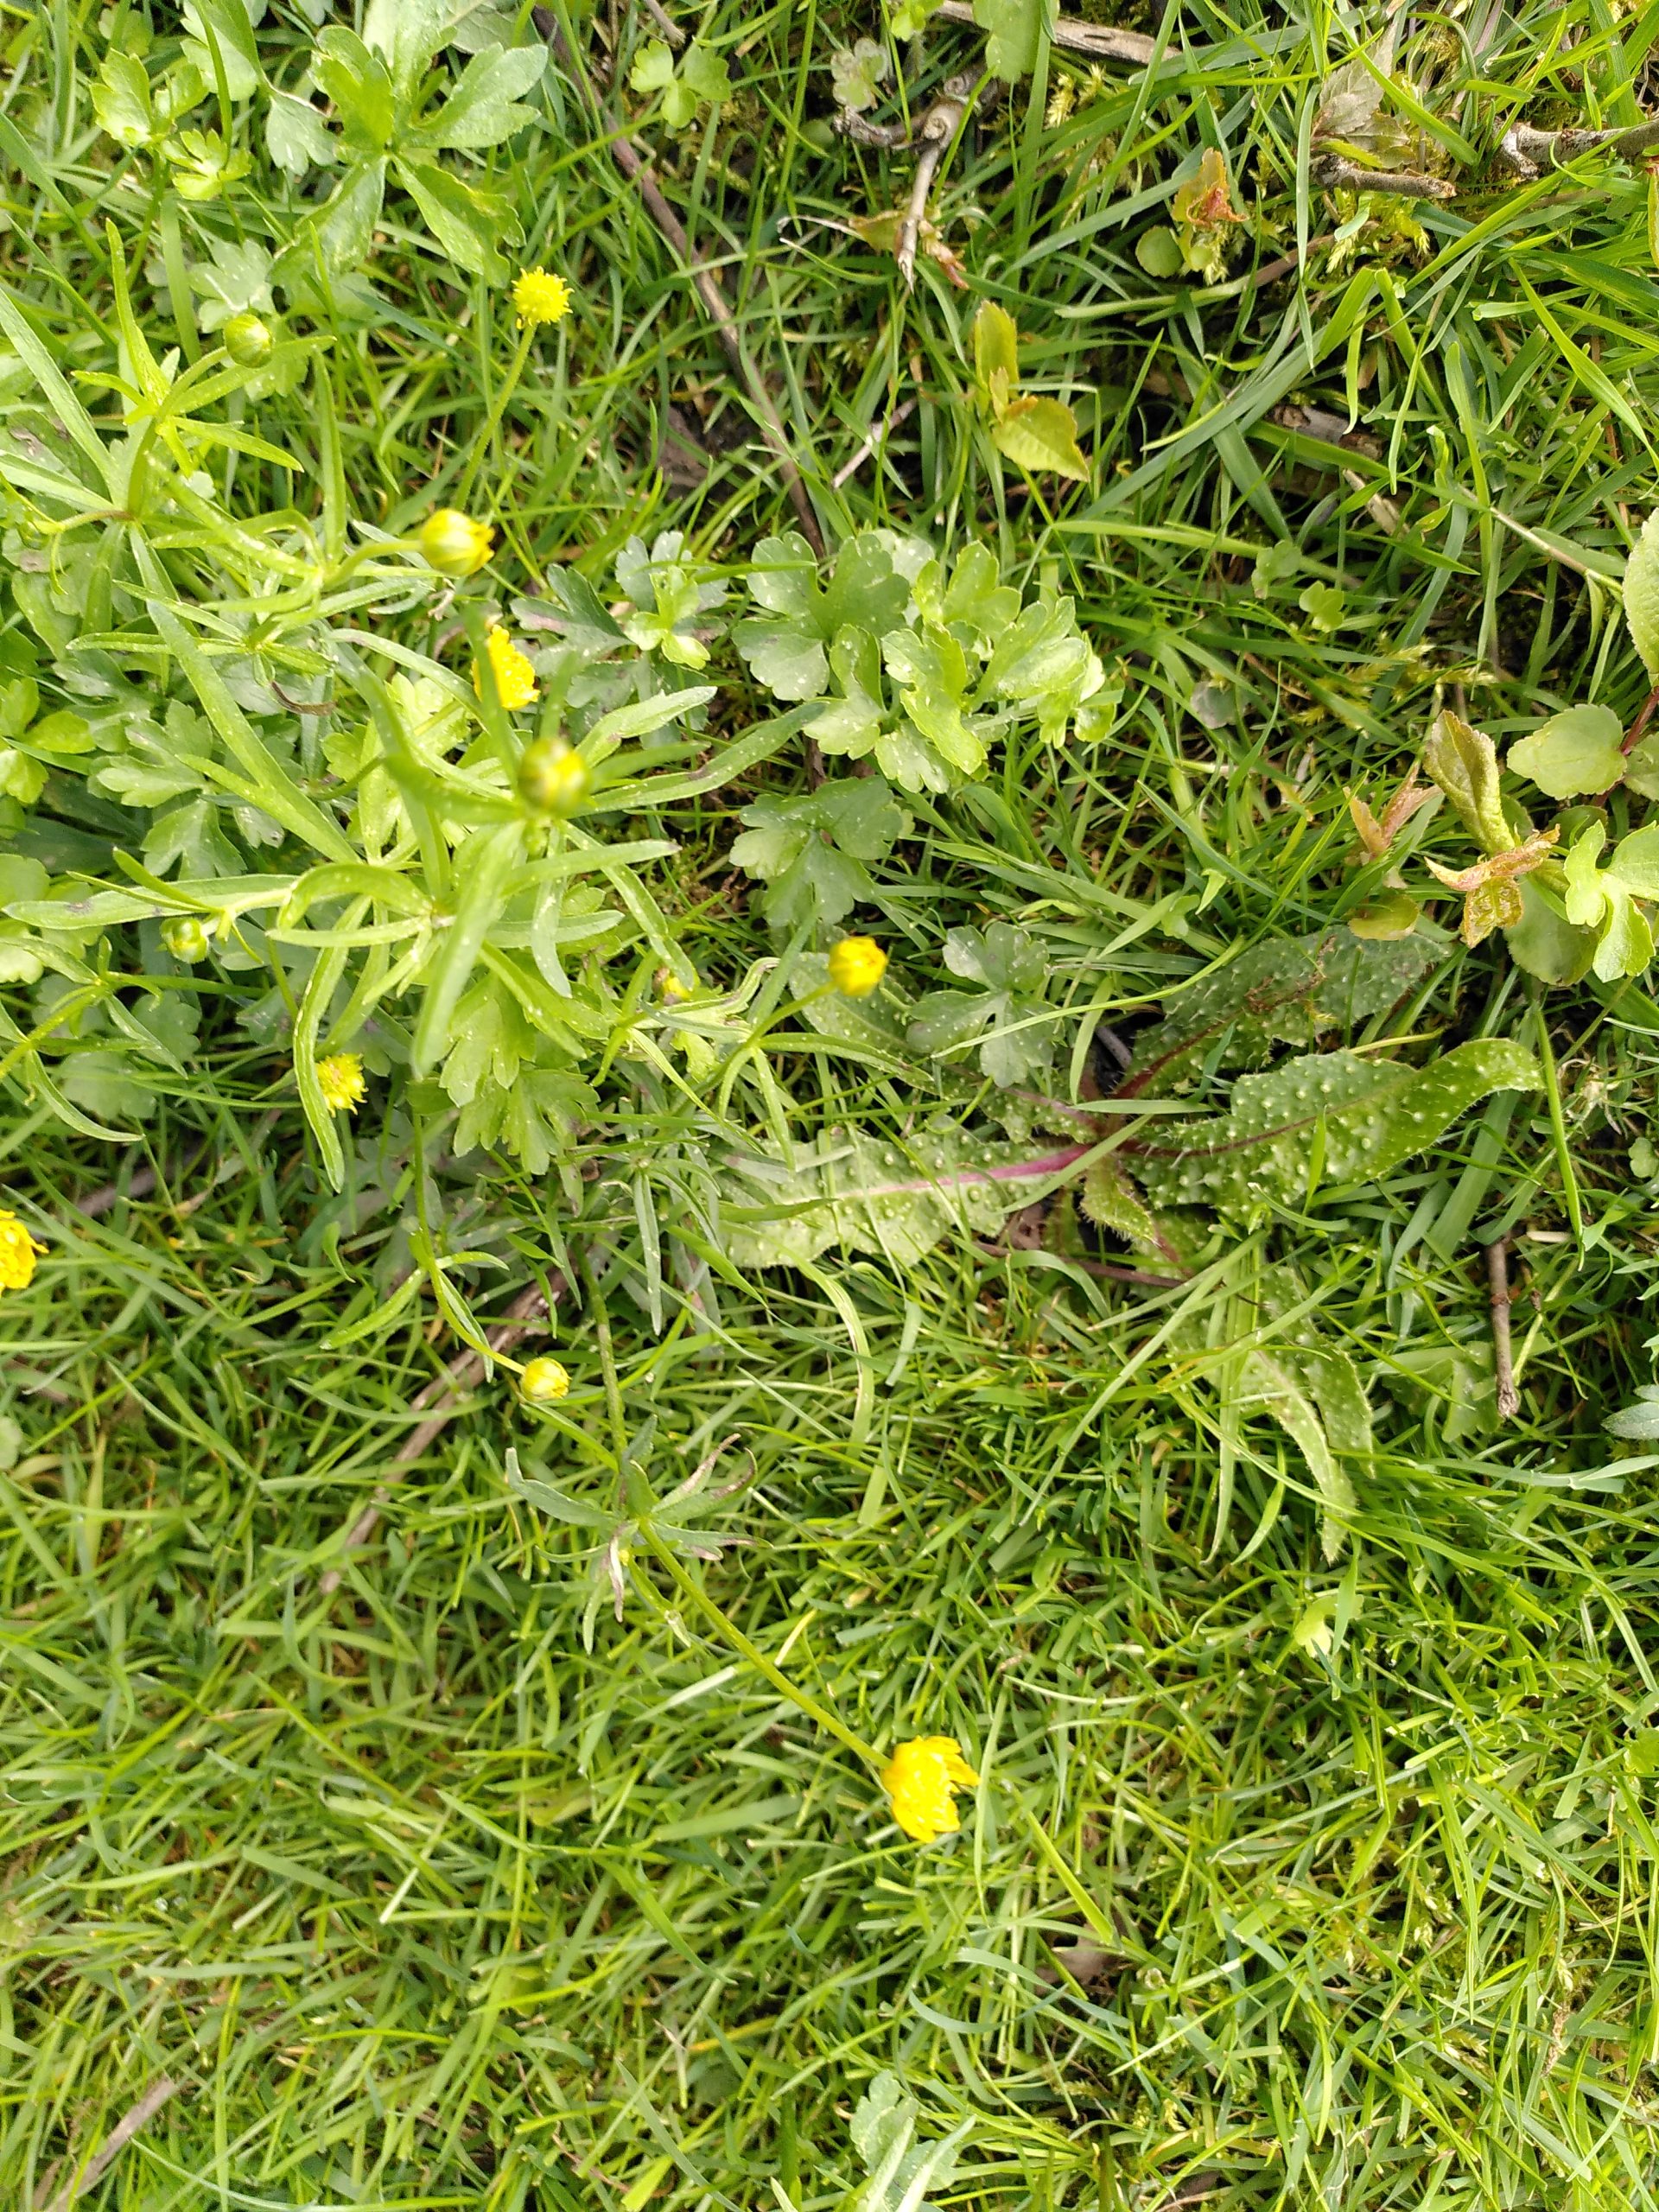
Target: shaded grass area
426,1902
1289,1881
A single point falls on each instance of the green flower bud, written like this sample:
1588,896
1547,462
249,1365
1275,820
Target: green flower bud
454,543
186,938
542,1382
553,779
247,341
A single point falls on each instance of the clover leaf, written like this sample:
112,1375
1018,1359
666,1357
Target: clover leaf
701,80
653,68
1007,1013
1324,605
810,851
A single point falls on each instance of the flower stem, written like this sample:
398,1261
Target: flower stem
482,443
685,1583
1557,1118
757,1658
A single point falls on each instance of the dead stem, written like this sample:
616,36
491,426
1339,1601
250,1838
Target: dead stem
1528,152
1098,41
114,2143
1498,1277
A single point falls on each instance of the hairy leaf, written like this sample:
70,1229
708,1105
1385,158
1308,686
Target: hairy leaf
1288,990
863,1194
1464,763
901,2171
1272,1381
1363,1117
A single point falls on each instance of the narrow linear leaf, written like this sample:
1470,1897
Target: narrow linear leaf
1642,595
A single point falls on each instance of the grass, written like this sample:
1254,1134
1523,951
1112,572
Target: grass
1290,1881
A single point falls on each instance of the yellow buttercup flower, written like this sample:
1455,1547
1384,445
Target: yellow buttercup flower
454,543
515,679
920,1778
543,1381
856,966
341,1078
540,297
18,1252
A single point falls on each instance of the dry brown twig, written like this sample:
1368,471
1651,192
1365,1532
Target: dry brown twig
879,435
1527,153
665,23
930,137
1098,41
114,2143
1498,1279
443,1394
938,128
1338,174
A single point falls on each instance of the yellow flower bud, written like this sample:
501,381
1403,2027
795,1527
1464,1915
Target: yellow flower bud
186,938
856,966
454,543
515,679
18,1252
553,779
920,1778
543,1381
540,297
247,341
342,1079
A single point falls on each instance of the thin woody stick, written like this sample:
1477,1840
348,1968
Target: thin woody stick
1098,41
443,1394
939,126
1526,151
114,2143
883,430
1498,1277
1340,175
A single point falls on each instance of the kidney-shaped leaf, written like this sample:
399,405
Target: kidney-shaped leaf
1573,754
